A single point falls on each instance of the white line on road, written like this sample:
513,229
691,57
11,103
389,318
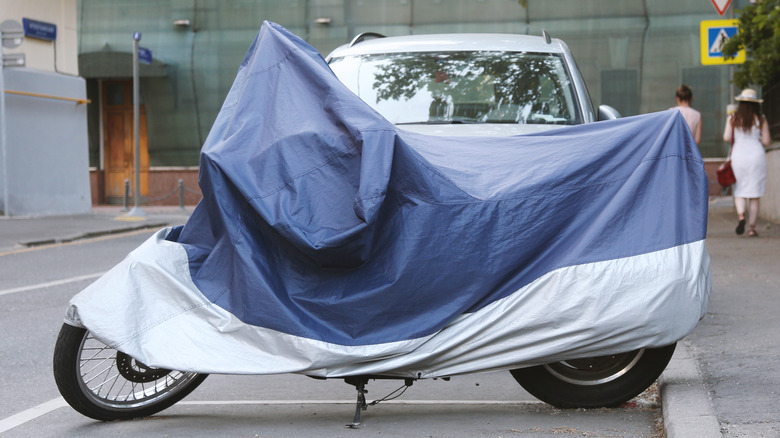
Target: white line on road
51,283
51,405
352,402
31,414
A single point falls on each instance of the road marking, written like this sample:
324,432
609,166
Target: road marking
42,409
352,402
15,420
51,283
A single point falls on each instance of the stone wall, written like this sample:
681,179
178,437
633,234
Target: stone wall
770,203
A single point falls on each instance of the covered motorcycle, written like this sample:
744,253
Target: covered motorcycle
331,243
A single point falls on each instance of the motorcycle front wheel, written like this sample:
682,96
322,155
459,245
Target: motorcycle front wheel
105,384
595,382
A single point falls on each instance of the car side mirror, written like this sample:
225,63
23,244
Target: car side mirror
606,112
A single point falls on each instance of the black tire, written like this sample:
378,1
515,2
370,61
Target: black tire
105,384
595,382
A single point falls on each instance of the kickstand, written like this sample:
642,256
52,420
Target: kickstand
360,385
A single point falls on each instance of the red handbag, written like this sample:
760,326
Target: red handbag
725,173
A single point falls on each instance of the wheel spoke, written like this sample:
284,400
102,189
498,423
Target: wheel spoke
93,359
122,389
95,373
113,383
109,379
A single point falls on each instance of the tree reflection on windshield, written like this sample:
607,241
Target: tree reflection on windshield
464,87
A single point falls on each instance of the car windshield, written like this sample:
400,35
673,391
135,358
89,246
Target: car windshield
462,87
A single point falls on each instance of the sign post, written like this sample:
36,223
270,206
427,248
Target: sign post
136,211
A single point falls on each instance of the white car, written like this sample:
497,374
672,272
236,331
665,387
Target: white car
496,85
468,84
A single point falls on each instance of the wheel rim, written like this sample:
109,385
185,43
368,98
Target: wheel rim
595,370
101,379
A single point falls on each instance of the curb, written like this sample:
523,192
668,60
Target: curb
90,235
685,403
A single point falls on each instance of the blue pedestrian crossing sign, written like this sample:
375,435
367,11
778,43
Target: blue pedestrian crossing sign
714,33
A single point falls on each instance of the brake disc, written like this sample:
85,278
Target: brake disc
136,371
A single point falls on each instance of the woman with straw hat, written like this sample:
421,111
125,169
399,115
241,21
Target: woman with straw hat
749,131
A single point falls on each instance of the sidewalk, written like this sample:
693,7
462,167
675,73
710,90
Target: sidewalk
687,403
687,408
21,232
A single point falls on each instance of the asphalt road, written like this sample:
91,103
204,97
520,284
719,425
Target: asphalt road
36,284
729,359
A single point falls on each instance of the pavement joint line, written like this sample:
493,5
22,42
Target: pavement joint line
51,283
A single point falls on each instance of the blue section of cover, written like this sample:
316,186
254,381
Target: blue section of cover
321,219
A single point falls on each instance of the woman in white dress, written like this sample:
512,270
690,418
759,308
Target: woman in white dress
750,133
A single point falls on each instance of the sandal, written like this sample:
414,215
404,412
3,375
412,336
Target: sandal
752,232
741,227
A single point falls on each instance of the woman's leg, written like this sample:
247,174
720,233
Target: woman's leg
753,215
740,204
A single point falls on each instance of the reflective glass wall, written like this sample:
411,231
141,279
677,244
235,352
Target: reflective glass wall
632,53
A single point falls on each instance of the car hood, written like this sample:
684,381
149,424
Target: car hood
477,130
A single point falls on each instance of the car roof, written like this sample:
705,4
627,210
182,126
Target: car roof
452,42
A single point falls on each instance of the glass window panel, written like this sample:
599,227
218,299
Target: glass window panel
115,93
706,86
619,89
462,87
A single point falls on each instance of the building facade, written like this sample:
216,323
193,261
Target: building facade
632,53
44,167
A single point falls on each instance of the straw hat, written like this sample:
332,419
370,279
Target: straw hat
748,95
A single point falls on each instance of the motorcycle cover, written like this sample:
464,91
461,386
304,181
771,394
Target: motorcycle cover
330,242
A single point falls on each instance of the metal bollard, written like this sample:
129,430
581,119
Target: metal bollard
181,193
127,194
